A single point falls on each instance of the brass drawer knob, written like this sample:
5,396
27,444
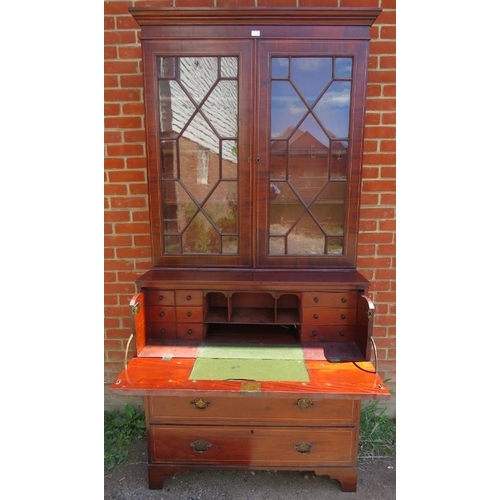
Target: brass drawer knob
201,446
304,403
303,447
200,403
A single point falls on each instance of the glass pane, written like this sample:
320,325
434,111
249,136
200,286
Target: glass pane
166,67
199,116
169,160
279,154
287,109
222,209
309,139
311,75
199,158
279,67
343,67
229,159
175,107
335,246
277,246
229,67
306,238
197,75
339,152
221,108
333,109
201,237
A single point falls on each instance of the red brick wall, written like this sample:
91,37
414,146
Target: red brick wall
127,250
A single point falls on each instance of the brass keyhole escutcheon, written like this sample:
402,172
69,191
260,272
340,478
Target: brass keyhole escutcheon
304,403
200,403
201,446
303,447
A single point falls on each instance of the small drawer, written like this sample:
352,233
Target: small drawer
253,446
328,333
324,316
162,331
160,297
187,331
161,314
188,314
188,297
210,409
332,299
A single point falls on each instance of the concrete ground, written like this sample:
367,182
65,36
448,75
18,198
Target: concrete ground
128,481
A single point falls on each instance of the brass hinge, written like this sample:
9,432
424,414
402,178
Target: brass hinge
136,308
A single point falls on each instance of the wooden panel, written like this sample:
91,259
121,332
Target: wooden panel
335,299
190,331
324,316
259,446
154,376
160,297
332,333
188,297
162,331
189,314
216,409
161,314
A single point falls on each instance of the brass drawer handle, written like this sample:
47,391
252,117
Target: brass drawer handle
303,447
304,403
200,403
201,446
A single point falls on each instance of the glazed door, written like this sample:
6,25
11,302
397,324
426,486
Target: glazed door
198,107
309,139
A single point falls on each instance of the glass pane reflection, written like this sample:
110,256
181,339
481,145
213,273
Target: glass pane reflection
310,112
199,153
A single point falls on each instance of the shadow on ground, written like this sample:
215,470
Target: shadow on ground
128,481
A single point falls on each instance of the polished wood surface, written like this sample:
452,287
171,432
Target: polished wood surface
148,376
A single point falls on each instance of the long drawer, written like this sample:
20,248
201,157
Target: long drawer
211,409
253,446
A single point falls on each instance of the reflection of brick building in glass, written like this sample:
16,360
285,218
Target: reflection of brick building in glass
310,178
199,115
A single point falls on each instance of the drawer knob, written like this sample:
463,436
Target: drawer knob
316,299
201,446
188,297
341,334
162,313
161,297
303,447
314,333
163,331
343,316
315,316
190,331
189,314
304,403
200,403
344,300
